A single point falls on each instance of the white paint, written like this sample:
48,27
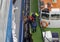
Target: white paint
3,19
55,11
14,24
55,23
47,35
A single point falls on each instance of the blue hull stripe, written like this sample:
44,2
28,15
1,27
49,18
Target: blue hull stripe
9,25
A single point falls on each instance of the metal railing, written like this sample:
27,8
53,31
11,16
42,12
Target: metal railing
21,23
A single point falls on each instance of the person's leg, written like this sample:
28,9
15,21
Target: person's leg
34,29
31,28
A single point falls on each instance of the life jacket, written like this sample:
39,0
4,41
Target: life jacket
31,18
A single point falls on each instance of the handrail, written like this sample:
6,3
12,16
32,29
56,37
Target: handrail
21,23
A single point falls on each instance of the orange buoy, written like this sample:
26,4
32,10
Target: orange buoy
44,24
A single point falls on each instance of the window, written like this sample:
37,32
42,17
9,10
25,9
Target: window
45,16
48,4
42,3
54,1
55,16
45,10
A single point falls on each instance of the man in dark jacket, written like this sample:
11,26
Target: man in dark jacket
34,26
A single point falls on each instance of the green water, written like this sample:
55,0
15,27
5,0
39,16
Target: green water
37,37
